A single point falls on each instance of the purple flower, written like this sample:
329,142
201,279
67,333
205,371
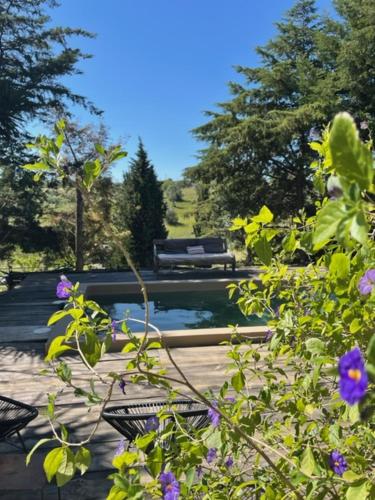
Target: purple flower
63,288
230,399
113,328
337,463
120,447
213,415
169,486
152,424
122,385
228,462
367,282
211,455
353,377
268,336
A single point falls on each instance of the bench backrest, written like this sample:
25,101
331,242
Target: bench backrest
178,245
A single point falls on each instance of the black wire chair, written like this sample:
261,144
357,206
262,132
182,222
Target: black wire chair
14,416
130,420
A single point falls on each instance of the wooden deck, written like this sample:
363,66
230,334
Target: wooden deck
24,311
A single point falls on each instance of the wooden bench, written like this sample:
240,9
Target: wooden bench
172,252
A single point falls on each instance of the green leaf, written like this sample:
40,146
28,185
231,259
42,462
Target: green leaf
142,442
59,140
265,216
155,461
91,347
351,476
154,345
117,493
371,350
355,325
52,462
56,348
316,146
91,171
350,157
315,345
308,463
35,447
252,227
36,166
238,381
353,414
125,459
289,242
328,220
189,477
99,148
129,347
83,459
358,492
67,468
56,316
263,250
359,228
339,266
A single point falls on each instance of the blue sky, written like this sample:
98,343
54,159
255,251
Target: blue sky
158,64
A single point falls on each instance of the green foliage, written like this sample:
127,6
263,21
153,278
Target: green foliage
185,213
75,158
35,56
257,142
140,208
275,439
42,50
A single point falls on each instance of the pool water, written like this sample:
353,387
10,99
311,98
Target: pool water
179,310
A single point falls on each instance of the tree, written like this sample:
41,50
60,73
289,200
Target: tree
141,209
83,147
356,58
258,141
33,58
172,190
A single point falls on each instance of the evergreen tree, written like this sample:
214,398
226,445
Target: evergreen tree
141,208
356,59
258,141
33,58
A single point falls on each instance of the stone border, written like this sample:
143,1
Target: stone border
172,338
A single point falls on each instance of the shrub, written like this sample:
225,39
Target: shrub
171,217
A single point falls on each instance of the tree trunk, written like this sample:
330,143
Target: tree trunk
79,230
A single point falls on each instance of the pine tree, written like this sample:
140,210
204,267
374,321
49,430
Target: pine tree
258,141
356,59
141,208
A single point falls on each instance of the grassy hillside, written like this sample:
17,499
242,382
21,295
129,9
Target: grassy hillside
184,210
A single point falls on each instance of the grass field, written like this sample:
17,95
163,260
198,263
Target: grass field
185,213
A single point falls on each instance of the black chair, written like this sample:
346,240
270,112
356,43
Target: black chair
14,416
130,420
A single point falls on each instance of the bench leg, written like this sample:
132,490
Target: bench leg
233,266
225,267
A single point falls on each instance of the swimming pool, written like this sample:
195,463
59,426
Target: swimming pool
178,310
186,311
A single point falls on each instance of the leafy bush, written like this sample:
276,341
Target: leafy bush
295,419
171,217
